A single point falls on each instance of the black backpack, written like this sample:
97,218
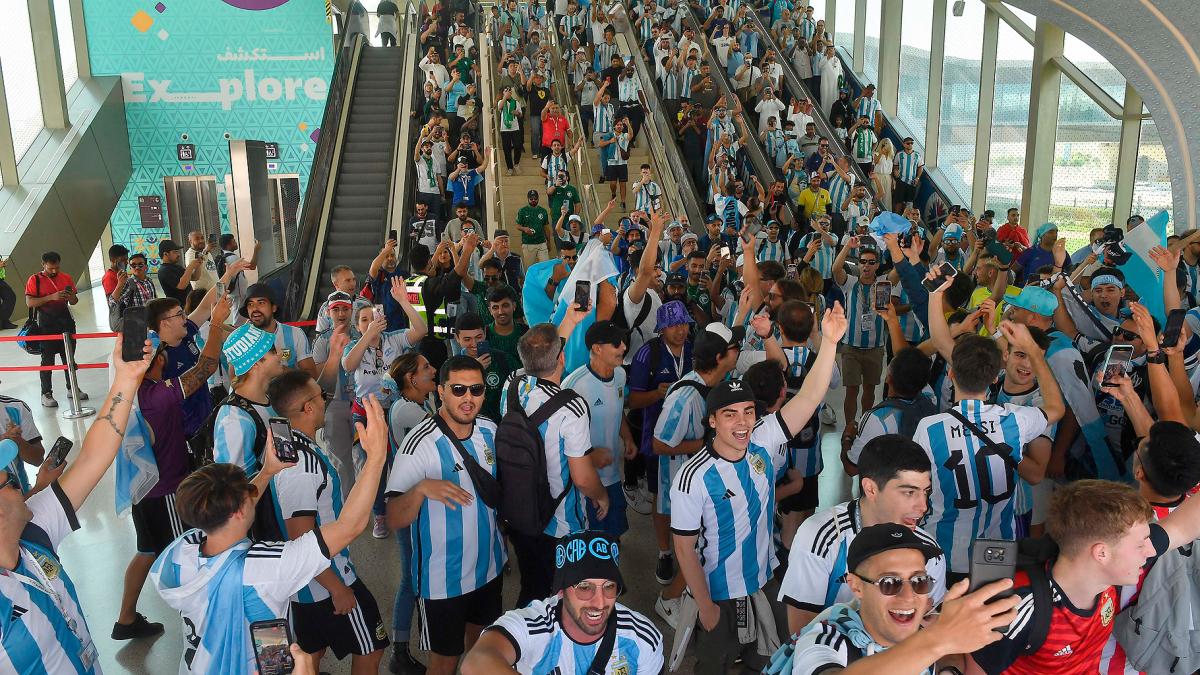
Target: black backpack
1033,558
521,464
200,445
812,428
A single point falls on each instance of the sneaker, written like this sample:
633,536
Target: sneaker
80,395
380,530
48,401
140,628
828,415
664,571
508,172
403,662
668,610
641,501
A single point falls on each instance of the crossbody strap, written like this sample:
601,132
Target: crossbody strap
604,651
466,457
979,433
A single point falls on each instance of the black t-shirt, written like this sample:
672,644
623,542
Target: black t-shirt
537,98
611,74
169,275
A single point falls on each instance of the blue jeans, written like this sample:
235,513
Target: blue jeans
406,597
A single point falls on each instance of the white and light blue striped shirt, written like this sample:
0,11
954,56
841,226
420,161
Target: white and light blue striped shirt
731,506
606,401
909,162
454,550
866,329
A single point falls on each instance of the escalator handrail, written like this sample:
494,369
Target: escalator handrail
409,41
318,195
415,105
796,86
665,151
763,166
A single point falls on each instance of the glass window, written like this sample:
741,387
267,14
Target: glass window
871,60
1029,19
1152,186
20,77
912,101
1085,165
844,37
1095,66
66,42
960,97
1010,119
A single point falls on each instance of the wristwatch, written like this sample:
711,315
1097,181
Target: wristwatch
1156,356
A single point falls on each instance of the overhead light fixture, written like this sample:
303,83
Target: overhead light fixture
960,6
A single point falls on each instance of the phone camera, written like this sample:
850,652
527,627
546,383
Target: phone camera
993,555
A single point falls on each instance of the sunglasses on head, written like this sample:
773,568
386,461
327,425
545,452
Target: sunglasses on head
460,390
922,584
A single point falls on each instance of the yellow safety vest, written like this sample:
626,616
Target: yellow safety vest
438,320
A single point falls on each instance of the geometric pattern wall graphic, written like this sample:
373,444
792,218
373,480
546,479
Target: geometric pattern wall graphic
205,71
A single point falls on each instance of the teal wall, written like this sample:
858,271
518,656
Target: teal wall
213,70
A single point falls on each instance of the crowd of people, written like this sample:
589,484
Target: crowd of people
495,404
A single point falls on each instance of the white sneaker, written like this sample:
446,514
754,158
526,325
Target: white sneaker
48,401
668,610
380,530
828,415
639,500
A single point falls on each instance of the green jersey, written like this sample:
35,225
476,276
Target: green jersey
535,218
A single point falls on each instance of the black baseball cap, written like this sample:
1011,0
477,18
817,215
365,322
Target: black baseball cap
727,393
532,194
166,246
677,278
605,333
589,554
876,539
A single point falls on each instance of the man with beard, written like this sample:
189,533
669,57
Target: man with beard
863,350
511,265
383,269
895,475
175,279
327,352
291,342
456,541
503,333
565,632
206,278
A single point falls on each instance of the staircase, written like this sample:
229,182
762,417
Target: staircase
360,199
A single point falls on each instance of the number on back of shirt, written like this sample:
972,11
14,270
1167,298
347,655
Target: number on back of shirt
996,472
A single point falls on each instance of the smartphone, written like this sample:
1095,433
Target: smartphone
285,447
1114,363
1002,252
212,238
724,251
133,334
393,235
1173,327
483,347
58,453
792,272
379,314
272,643
955,210
583,294
992,560
944,271
883,295
220,289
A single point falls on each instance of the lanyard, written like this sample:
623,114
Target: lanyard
676,364
42,583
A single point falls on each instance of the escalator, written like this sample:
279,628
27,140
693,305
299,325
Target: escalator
360,198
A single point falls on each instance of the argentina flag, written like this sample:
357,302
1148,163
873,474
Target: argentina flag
137,470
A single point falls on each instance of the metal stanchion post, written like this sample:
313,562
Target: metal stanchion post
77,411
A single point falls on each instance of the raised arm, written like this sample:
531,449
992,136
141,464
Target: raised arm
797,411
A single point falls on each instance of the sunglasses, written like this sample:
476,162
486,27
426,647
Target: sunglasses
570,258
586,590
922,584
137,265
868,262
1119,332
460,390
490,278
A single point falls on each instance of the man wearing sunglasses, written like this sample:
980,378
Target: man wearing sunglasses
881,632
567,631
862,349
895,476
156,523
44,627
335,610
457,548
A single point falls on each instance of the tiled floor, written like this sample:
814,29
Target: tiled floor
96,556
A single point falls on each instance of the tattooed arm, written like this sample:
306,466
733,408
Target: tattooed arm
210,356
103,439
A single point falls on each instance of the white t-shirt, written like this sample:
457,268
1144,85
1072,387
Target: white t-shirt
769,107
606,405
644,332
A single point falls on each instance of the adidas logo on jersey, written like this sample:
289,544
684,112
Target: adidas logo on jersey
599,401
729,494
18,612
1065,651
457,467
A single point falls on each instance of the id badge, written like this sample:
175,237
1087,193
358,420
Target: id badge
866,322
87,655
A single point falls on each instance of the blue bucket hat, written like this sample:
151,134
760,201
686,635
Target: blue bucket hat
954,232
1036,300
245,346
672,313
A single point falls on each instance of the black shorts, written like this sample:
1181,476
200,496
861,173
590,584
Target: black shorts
444,622
804,500
359,632
617,172
156,524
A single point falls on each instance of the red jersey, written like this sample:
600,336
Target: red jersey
1014,233
1076,638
